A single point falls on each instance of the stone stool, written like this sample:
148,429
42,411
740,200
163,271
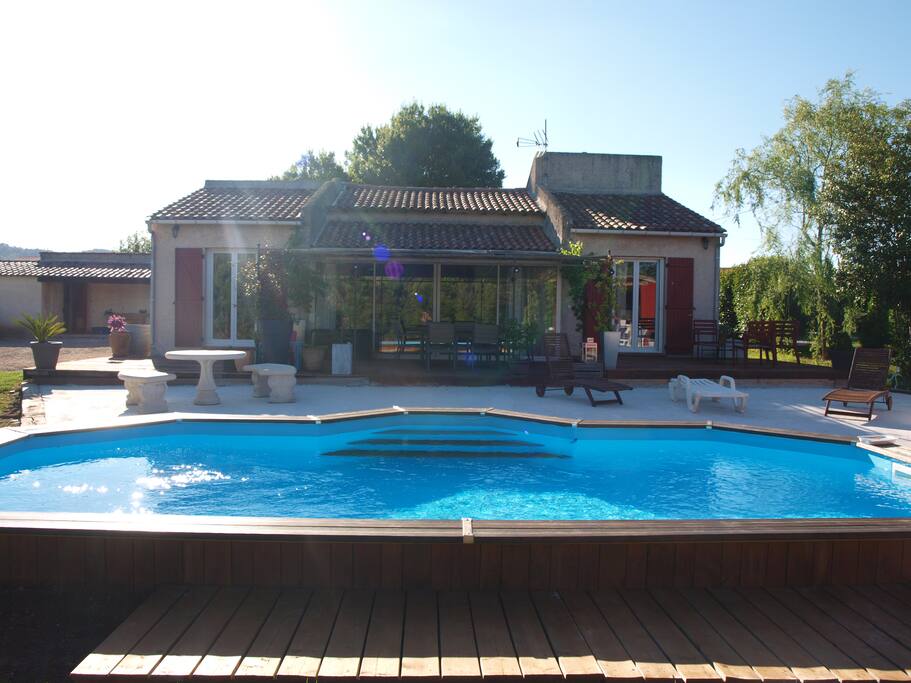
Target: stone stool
146,389
275,380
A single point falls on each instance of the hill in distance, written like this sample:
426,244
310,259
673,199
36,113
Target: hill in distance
9,253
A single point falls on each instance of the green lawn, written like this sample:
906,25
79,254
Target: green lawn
788,357
9,393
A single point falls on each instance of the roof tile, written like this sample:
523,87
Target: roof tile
485,200
434,236
633,212
240,201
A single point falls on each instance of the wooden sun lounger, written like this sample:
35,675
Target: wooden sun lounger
867,383
561,374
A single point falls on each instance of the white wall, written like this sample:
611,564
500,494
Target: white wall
18,295
119,297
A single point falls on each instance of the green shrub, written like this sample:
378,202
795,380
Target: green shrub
42,327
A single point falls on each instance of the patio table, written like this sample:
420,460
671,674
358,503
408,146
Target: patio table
205,389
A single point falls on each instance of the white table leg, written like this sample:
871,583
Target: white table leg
205,390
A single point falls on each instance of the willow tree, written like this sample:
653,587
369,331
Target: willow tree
782,182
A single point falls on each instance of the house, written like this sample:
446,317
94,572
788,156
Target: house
399,256
81,288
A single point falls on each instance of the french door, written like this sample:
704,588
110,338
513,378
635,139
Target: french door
638,304
230,311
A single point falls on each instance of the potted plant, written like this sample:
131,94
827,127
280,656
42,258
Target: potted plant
263,281
592,292
44,328
119,337
305,285
841,351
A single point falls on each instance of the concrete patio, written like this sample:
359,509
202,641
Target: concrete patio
790,406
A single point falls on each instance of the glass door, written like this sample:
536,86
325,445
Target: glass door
230,310
637,304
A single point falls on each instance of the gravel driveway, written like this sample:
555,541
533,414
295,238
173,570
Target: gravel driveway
15,354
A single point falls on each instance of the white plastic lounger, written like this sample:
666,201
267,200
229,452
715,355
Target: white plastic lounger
694,390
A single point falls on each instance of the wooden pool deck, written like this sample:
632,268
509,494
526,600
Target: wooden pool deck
831,634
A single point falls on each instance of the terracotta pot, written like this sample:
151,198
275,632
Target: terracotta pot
312,357
45,354
120,344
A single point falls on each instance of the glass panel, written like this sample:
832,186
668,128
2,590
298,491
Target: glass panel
221,296
350,306
404,298
246,305
648,304
623,277
468,293
528,295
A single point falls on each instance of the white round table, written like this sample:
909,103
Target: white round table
205,390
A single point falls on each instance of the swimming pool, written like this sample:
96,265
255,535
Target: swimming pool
447,467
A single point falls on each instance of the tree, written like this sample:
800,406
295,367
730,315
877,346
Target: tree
430,147
783,182
140,242
320,166
869,209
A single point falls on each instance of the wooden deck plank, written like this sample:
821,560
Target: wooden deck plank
649,658
573,654
536,659
838,635
885,600
729,665
613,660
307,646
265,654
346,644
383,648
748,646
840,664
496,654
420,641
146,654
117,645
804,665
192,646
880,641
232,644
458,652
900,592
883,620
691,663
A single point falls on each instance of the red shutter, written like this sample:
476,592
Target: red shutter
188,289
679,306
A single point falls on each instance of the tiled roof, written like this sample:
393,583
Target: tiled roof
633,212
434,236
23,268
486,200
241,201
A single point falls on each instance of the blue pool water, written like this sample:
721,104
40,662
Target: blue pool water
438,467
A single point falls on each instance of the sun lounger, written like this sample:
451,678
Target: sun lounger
561,374
867,383
694,390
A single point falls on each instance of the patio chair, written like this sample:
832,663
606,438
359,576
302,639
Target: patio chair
786,333
706,336
410,334
561,374
485,341
759,334
867,383
441,337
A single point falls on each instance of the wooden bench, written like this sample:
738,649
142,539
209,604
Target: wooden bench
799,635
275,380
146,389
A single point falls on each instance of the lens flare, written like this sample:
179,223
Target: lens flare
394,270
381,253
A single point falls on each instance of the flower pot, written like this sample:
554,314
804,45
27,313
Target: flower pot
610,348
312,357
241,363
140,340
120,344
275,341
841,358
45,354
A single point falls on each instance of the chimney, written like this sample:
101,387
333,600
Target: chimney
596,173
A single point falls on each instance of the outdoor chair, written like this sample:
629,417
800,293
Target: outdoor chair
561,374
706,336
867,383
786,334
441,337
485,341
759,334
410,334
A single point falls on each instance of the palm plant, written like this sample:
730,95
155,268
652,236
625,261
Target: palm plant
42,327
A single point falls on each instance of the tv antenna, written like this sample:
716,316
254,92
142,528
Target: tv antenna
538,139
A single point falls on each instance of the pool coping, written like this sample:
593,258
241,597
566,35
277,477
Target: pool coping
446,531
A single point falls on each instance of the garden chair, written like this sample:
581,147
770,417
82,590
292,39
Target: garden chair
759,334
867,383
786,334
561,374
441,337
485,341
706,336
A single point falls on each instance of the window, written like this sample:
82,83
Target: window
230,311
637,304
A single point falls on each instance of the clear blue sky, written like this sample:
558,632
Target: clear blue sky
123,107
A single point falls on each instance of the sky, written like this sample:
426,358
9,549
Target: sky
110,111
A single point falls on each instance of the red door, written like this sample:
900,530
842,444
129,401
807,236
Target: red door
679,306
188,297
